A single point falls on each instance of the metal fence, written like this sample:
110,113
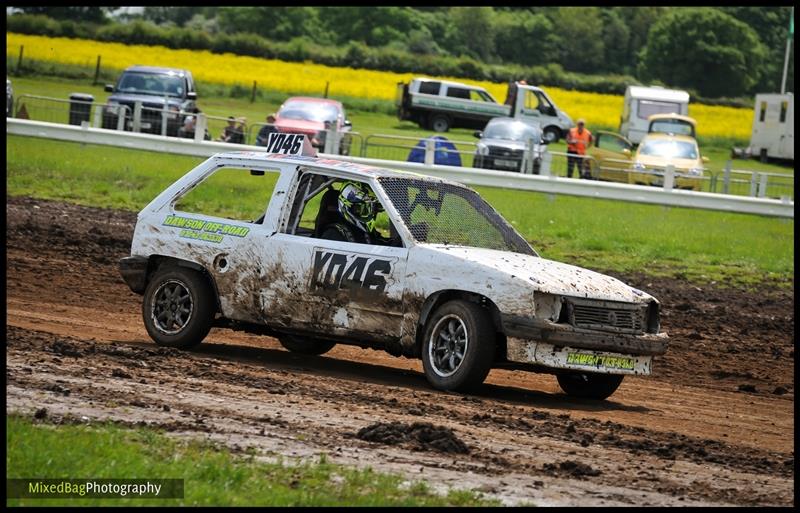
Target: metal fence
430,150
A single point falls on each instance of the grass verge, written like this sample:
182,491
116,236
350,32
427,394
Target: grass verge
212,475
702,246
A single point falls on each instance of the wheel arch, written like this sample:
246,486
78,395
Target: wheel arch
435,300
156,262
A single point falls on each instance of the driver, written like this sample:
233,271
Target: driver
358,208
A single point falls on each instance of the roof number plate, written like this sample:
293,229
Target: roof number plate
289,144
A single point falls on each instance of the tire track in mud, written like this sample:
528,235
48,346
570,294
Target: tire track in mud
684,435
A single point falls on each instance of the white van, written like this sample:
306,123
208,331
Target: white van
773,127
642,102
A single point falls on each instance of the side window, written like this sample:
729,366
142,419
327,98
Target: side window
458,92
429,87
316,207
479,96
763,112
232,193
545,107
784,108
531,100
609,142
649,107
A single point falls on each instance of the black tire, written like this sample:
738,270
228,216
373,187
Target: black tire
551,134
439,123
178,307
450,319
589,385
305,345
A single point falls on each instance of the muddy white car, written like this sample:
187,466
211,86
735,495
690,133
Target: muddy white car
450,282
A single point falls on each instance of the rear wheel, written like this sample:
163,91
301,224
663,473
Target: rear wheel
440,123
178,307
458,347
305,345
589,385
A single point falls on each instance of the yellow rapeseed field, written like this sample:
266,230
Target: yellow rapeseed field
309,78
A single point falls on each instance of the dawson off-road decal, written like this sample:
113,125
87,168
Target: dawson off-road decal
333,271
209,231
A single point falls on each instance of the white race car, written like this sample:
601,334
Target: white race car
442,277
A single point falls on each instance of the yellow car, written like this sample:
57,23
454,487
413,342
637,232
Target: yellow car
613,160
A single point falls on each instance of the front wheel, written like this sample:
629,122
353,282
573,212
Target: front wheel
178,307
589,385
551,134
458,347
307,346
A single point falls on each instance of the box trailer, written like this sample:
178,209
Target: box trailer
642,102
773,127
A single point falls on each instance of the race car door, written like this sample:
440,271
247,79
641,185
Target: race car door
327,286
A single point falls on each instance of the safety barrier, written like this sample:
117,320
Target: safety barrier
666,195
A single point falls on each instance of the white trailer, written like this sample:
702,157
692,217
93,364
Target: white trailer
773,127
642,102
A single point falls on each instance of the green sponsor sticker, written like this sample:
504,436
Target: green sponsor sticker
209,231
598,360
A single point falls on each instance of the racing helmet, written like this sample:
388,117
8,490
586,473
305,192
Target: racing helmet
359,206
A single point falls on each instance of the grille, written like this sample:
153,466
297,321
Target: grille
606,315
498,151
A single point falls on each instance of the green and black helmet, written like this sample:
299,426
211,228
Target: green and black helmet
359,206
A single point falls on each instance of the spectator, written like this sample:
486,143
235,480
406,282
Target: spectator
234,132
578,140
263,134
187,130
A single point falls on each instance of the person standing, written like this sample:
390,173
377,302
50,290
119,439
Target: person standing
263,134
579,139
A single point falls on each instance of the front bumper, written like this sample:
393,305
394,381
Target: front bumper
134,271
562,346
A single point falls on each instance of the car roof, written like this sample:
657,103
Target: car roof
350,168
313,99
449,83
657,117
675,137
157,69
510,121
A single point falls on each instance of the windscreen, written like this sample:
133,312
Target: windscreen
512,132
442,213
150,83
669,149
308,111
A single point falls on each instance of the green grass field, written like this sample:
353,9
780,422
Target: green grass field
212,476
607,235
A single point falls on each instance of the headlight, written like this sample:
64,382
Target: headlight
695,171
638,166
483,150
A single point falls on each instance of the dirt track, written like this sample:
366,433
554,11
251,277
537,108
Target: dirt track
713,425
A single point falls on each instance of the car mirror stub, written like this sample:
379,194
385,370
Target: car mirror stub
478,134
626,152
109,88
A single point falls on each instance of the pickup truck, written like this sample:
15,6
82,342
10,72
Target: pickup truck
156,89
447,281
439,105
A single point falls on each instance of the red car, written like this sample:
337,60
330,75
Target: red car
313,117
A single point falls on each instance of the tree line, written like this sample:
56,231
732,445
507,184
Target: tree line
714,52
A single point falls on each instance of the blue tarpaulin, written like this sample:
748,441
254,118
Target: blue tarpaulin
445,152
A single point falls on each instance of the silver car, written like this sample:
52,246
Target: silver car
503,144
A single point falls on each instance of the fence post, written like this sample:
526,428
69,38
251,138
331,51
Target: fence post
753,183
326,89
712,182
122,114
137,117
98,116
726,177
200,124
164,118
527,158
19,61
96,71
762,186
331,139
544,167
430,151
669,177
253,94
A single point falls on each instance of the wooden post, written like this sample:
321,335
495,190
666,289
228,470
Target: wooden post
19,61
253,95
326,89
96,71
